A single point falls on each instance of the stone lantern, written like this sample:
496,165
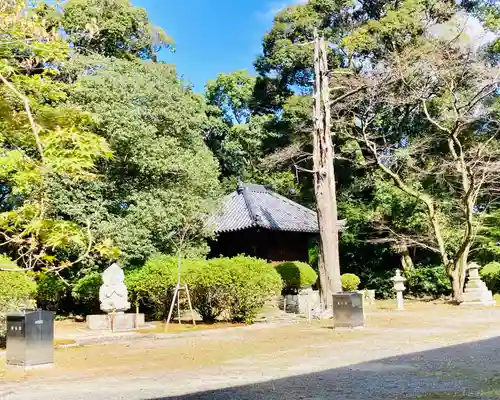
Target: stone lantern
399,288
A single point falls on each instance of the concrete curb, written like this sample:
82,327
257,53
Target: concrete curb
131,336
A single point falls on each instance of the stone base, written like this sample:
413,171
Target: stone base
479,303
306,302
476,293
368,295
478,296
348,311
118,322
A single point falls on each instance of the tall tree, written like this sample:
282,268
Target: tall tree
448,89
239,133
161,172
39,141
113,28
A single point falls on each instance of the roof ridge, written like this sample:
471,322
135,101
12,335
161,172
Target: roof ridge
252,209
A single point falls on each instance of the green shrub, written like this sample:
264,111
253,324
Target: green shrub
428,281
238,286
154,283
491,276
350,282
296,275
253,281
51,291
86,292
210,289
380,281
17,291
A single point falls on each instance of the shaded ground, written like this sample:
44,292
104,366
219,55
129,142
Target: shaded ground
428,352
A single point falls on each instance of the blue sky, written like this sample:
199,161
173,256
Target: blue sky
213,36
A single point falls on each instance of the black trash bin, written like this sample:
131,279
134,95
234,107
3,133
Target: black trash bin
30,338
348,310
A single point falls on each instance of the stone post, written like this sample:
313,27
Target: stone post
399,288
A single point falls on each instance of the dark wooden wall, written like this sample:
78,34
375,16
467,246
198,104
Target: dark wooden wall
262,243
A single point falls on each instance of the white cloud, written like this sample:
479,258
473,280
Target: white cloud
274,7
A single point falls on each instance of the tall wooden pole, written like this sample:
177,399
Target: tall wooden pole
330,159
324,177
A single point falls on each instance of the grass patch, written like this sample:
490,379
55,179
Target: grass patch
185,326
63,342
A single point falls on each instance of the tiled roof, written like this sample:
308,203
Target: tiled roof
251,206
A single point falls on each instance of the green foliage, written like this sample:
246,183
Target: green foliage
350,282
40,139
17,291
86,292
428,281
210,288
153,284
51,291
253,281
296,275
380,281
234,132
491,276
161,174
232,94
112,28
237,286
362,35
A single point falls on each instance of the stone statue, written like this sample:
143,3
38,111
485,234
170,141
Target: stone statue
113,294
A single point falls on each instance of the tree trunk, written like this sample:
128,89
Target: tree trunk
334,268
458,275
324,290
407,262
404,254
324,179
456,285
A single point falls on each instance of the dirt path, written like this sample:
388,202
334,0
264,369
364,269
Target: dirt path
428,352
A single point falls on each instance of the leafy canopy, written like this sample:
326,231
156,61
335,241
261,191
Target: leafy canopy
39,139
161,173
113,28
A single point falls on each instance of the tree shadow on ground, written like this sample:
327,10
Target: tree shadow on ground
467,371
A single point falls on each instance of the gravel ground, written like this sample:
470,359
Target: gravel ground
429,352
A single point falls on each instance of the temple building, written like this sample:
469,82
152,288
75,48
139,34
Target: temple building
256,221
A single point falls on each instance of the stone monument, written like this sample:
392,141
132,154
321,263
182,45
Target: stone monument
113,296
113,293
399,288
476,291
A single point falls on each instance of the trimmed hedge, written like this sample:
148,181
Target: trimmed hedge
253,281
296,275
350,282
491,276
237,286
210,291
153,284
17,291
